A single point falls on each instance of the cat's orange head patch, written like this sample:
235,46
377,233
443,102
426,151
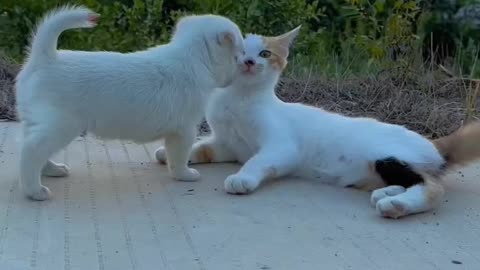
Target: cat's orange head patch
279,48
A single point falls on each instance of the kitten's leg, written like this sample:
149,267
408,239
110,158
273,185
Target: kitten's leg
40,142
207,150
271,162
416,199
178,147
53,169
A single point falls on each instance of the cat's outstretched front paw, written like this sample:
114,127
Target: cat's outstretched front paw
187,175
161,155
240,184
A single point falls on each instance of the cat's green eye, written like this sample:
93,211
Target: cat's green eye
265,54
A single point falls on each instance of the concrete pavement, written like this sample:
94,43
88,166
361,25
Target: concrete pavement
119,210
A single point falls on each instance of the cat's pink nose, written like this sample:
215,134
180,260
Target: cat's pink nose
249,62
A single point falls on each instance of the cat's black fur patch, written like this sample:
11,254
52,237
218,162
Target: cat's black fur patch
397,173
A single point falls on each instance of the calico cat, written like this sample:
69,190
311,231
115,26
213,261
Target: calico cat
271,138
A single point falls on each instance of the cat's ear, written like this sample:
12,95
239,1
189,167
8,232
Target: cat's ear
286,40
226,39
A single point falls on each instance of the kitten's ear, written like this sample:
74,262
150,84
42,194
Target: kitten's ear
286,40
226,39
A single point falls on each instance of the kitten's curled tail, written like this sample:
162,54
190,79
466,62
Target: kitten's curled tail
44,41
462,146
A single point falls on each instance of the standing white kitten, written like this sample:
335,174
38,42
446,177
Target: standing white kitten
140,96
272,139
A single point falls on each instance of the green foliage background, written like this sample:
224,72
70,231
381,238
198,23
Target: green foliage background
352,36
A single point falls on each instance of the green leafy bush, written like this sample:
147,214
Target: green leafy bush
122,28
133,25
337,37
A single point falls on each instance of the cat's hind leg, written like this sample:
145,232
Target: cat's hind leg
384,192
268,163
416,199
407,191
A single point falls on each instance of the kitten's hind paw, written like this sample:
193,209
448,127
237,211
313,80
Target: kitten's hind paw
39,195
240,184
161,155
55,170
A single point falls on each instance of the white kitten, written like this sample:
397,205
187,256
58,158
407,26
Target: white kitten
272,139
140,96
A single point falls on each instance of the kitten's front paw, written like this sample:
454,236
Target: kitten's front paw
390,207
381,193
187,175
161,155
55,170
39,195
240,184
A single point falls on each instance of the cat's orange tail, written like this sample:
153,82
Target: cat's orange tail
462,146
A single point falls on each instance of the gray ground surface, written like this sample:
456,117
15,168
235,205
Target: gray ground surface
120,210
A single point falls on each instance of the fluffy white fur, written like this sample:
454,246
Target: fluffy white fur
271,138
140,96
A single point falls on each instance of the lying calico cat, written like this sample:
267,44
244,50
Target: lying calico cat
273,139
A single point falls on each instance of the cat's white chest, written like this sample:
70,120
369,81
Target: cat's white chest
233,121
